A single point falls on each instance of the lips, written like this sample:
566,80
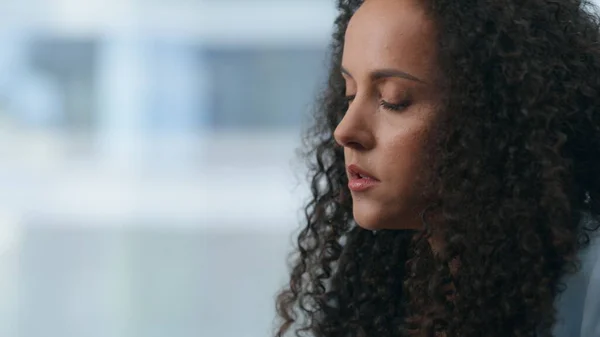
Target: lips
359,179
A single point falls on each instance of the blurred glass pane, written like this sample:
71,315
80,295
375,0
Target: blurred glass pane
69,65
102,282
263,87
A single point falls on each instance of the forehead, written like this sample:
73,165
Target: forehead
390,33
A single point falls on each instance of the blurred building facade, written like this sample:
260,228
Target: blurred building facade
149,184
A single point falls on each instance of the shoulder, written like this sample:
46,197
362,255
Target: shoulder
579,306
590,325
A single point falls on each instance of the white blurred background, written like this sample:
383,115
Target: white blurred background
148,180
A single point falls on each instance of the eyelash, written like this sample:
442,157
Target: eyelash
349,99
386,105
394,107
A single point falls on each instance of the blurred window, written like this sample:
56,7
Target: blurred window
258,88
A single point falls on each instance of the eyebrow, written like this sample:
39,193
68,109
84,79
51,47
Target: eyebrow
386,73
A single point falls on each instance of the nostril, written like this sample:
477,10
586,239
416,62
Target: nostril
355,145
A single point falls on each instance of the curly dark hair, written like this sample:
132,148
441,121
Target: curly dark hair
515,171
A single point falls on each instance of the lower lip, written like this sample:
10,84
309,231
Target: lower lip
361,184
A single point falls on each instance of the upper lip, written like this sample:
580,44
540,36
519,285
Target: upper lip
354,171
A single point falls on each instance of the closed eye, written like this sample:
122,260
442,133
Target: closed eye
395,106
349,99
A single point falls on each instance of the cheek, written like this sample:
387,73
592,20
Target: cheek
403,153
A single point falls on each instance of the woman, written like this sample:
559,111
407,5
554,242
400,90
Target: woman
456,174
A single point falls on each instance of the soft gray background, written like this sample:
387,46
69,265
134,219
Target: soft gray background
148,185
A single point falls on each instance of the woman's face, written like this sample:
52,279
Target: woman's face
388,64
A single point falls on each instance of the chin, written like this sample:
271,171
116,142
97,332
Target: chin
366,225
374,217
370,218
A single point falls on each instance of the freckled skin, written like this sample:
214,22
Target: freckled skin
388,34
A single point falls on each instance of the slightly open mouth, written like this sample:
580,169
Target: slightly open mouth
357,175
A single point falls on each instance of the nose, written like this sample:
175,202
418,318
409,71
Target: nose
355,131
